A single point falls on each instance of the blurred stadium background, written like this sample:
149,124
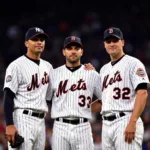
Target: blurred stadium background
85,19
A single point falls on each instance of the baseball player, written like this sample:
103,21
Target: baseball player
25,86
124,84
73,89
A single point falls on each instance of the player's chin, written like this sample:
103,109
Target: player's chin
39,51
112,53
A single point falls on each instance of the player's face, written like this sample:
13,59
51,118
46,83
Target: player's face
73,54
35,45
114,47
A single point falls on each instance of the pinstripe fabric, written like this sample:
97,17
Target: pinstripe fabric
32,129
29,82
113,135
73,92
119,82
72,137
22,72
123,77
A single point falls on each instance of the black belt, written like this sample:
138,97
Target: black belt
113,117
34,114
75,121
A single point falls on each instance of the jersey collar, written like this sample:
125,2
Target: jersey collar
114,62
72,69
36,61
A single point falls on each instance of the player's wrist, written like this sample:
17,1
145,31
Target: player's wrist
133,121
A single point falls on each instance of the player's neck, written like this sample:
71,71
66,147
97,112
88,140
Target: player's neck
73,65
116,57
33,56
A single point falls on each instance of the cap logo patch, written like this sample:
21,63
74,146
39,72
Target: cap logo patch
140,72
38,30
110,30
73,38
9,78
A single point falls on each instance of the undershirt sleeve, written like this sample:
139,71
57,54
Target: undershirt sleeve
142,86
8,106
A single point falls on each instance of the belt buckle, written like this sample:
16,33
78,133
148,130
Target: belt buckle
39,115
103,117
70,121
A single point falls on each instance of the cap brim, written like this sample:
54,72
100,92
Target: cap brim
71,43
43,35
112,35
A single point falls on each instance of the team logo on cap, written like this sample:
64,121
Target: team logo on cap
140,72
73,38
110,30
38,30
9,78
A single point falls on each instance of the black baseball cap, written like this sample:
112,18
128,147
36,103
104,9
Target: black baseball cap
72,39
35,31
113,32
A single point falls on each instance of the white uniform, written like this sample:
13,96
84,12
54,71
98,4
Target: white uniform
29,81
118,84
73,92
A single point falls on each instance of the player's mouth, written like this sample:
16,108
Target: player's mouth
73,56
112,49
39,47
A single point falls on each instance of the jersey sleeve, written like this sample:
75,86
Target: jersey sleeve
49,93
12,77
138,74
97,89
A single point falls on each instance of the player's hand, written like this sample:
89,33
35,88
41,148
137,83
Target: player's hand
89,66
130,132
10,133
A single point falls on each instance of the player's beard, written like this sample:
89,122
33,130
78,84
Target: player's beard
73,61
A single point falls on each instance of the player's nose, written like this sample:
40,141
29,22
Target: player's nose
73,50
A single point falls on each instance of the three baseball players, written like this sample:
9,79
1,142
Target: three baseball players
121,86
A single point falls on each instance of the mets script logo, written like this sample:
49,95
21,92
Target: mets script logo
34,83
107,81
80,85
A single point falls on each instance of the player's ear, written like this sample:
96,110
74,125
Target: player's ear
123,42
63,51
26,43
104,45
81,52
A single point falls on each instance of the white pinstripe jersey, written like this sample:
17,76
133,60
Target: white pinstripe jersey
29,82
73,92
119,81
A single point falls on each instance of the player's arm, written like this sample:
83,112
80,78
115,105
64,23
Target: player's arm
8,112
140,102
8,106
96,106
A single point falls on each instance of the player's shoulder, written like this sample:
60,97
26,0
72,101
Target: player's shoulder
17,62
132,60
105,66
46,63
59,68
